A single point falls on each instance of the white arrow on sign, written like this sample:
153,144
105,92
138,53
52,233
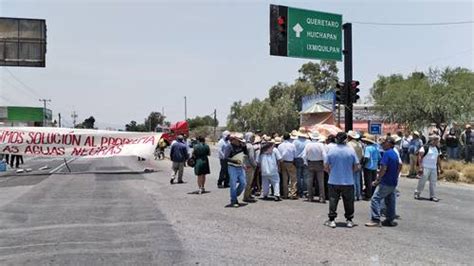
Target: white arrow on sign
298,29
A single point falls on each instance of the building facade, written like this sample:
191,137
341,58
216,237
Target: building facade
23,116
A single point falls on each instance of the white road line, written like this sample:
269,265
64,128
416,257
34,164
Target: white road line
57,169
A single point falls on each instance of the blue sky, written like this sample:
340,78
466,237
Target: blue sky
120,60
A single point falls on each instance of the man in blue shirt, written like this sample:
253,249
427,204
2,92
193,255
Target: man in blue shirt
341,163
386,183
371,164
178,154
301,168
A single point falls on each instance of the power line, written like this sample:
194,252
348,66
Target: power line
413,24
30,94
22,83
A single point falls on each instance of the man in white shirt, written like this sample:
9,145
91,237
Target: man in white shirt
430,166
288,169
314,155
223,180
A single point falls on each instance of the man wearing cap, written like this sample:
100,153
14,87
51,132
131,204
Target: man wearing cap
288,169
223,180
386,184
413,148
234,155
353,137
178,154
371,163
467,142
430,166
341,163
301,169
314,155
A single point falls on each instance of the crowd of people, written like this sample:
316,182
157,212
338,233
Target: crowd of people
305,165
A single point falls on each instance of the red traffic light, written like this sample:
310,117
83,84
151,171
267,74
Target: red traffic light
281,20
355,83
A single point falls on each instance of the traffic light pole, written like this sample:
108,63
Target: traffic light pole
347,27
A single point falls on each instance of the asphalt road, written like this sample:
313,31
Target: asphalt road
140,219
84,219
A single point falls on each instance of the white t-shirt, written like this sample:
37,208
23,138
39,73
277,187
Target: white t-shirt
430,160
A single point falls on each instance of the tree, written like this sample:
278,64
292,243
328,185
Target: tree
201,122
279,111
322,76
153,119
88,123
133,126
439,97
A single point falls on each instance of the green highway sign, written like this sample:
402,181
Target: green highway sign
304,33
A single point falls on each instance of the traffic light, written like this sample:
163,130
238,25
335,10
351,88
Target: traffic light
278,30
281,22
341,93
354,91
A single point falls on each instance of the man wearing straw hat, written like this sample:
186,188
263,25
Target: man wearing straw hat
315,157
430,167
301,169
234,154
371,163
250,166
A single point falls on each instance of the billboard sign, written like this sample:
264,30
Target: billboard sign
22,42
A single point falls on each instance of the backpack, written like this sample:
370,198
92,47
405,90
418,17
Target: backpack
426,148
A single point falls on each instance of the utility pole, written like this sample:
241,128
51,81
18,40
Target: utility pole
44,109
74,117
347,27
185,109
59,119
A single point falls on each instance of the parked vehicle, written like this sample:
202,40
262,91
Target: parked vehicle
170,133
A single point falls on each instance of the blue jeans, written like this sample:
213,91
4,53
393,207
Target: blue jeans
453,153
388,194
357,188
301,173
236,174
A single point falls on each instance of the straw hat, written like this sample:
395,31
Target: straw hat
314,135
302,132
416,133
322,138
294,134
257,139
353,134
397,139
237,136
277,140
370,138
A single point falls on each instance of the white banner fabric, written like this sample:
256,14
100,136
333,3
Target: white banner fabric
72,142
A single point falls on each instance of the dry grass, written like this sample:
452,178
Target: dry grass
405,169
468,174
450,175
453,165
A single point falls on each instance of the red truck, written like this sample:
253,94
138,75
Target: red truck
170,133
